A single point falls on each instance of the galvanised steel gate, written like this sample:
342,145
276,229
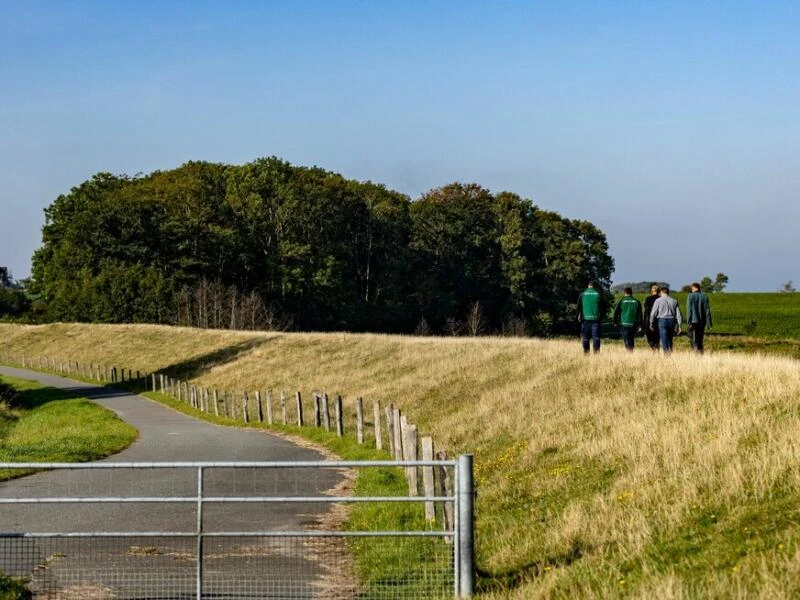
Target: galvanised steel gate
229,530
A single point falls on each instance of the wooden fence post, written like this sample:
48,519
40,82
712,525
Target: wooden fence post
338,414
299,399
259,409
428,487
283,406
245,412
326,414
390,428
206,407
360,420
317,410
445,485
269,407
227,404
376,416
410,453
397,426
216,402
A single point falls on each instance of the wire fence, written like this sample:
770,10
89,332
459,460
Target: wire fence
142,530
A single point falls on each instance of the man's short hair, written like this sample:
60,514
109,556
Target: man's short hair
590,283
628,290
664,289
696,286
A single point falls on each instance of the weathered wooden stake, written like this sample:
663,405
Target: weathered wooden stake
317,410
299,400
283,406
376,416
445,484
326,413
390,428
410,453
216,402
259,409
339,414
360,420
398,434
245,411
269,407
428,487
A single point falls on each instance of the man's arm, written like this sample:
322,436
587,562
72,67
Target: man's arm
617,313
708,313
653,314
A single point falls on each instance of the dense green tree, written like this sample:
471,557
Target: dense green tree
456,253
269,244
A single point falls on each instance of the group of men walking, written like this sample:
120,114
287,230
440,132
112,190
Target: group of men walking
660,317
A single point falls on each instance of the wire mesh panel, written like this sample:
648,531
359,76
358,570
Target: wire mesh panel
102,568
221,531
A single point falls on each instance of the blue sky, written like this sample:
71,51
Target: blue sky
672,126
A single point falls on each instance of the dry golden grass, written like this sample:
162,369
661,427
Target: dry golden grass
617,474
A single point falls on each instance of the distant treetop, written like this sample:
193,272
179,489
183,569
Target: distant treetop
639,287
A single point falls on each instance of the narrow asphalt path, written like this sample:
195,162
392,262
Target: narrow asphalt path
166,435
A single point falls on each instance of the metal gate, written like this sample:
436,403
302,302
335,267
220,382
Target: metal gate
232,530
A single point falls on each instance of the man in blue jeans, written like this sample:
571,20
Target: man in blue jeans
591,309
667,315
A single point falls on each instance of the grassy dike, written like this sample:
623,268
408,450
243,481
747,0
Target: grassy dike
50,425
610,476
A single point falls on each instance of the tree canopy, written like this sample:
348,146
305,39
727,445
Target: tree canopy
269,244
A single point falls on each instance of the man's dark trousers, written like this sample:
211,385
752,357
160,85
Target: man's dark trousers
628,335
590,329
697,332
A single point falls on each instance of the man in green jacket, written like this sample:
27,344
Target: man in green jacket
628,315
698,316
590,312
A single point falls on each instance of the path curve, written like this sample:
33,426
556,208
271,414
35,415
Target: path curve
166,435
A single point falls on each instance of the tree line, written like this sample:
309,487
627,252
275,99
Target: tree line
271,245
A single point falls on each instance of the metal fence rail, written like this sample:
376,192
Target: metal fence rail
215,542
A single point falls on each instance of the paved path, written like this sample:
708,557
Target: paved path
166,435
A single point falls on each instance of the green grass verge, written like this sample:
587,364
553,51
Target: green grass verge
13,589
51,425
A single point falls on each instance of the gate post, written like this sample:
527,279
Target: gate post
465,495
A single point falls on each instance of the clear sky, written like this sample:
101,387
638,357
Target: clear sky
672,126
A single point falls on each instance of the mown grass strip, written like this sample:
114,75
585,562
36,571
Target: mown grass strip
44,424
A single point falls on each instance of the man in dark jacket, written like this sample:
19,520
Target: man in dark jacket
591,309
628,315
652,335
698,316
